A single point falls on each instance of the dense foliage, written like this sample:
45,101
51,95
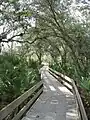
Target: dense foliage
16,76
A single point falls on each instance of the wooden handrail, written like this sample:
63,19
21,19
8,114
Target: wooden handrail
22,111
80,103
9,108
61,80
66,79
79,100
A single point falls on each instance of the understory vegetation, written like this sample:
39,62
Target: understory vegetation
17,75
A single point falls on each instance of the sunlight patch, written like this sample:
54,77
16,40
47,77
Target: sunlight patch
52,88
64,89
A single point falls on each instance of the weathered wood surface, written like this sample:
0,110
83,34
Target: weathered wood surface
22,111
9,108
79,100
65,78
80,103
68,85
56,102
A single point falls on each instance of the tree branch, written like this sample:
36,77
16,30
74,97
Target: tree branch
12,40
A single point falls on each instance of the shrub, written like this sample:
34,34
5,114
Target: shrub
16,76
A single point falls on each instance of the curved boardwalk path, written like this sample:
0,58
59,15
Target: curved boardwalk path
55,103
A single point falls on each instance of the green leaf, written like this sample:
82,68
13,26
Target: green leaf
24,14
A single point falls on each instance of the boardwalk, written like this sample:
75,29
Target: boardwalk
55,103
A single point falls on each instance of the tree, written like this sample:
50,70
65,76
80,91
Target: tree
58,26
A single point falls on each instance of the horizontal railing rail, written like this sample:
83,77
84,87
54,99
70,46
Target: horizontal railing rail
17,108
65,82
71,82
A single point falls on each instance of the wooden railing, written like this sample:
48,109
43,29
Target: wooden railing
64,81
71,82
19,106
